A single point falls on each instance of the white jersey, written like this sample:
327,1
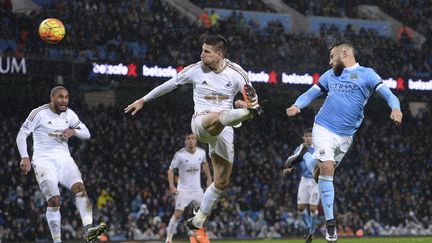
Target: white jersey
213,91
189,166
47,126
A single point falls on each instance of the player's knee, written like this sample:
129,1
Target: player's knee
54,201
301,208
50,190
313,210
326,168
222,183
78,189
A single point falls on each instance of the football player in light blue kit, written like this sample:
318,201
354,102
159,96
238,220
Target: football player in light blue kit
308,193
348,87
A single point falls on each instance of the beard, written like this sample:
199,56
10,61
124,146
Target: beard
338,69
59,109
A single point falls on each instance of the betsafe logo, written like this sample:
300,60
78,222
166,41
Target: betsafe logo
272,77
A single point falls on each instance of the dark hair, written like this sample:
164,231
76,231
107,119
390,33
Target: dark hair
56,89
218,41
188,134
309,130
340,43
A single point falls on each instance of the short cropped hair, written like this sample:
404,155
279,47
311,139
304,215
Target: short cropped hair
218,41
56,89
309,130
343,43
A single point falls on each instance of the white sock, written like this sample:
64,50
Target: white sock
171,229
54,222
211,196
234,117
85,208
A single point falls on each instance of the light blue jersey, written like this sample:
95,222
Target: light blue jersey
303,165
342,111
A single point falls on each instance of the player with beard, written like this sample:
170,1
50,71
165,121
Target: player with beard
348,87
52,125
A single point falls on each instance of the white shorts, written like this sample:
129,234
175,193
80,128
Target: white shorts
184,198
328,145
222,144
308,192
52,170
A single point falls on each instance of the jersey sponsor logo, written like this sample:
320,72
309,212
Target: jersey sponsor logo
216,97
49,123
204,83
192,170
346,88
58,136
228,84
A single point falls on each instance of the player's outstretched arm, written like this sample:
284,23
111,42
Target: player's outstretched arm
304,100
393,102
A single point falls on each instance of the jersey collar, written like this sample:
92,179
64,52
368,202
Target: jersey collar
352,67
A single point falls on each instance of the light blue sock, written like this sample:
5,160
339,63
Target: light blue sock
310,161
305,217
326,188
313,221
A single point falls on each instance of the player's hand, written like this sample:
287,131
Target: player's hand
173,190
25,165
287,170
240,104
135,107
396,116
70,132
293,110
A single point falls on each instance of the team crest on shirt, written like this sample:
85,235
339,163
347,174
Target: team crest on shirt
354,76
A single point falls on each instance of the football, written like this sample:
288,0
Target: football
52,30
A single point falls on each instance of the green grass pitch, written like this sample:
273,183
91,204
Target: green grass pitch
341,240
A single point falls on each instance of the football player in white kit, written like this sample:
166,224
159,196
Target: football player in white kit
188,161
52,125
216,80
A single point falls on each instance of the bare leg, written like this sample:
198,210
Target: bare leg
222,171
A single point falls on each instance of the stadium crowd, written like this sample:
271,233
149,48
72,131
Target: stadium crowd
125,162
155,33
124,168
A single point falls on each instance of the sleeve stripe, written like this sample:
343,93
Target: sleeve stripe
189,67
323,89
378,85
240,71
76,125
36,111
